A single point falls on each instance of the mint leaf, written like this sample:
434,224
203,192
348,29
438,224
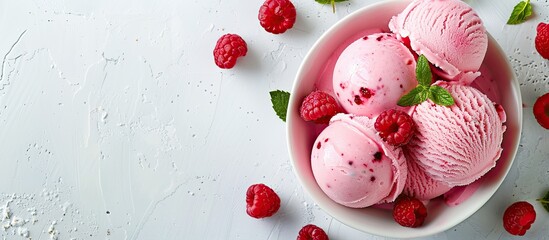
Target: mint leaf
330,2
423,71
521,11
441,96
424,89
545,201
280,100
414,97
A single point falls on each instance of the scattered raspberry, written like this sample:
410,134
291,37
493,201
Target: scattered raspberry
518,218
318,106
277,16
261,201
541,110
312,232
228,48
395,127
409,212
542,40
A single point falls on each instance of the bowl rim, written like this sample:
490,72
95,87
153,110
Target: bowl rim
514,84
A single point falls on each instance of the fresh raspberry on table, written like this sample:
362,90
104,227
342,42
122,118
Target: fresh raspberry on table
541,110
395,127
261,201
319,107
518,218
277,16
229,47
409,211
312,232
542,40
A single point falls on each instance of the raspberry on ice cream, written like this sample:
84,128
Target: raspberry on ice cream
372,73
395,127
261,201
229,47
353,166
277,16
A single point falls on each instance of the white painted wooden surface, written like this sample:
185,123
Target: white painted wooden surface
116,124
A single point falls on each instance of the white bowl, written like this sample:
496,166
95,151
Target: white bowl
301,134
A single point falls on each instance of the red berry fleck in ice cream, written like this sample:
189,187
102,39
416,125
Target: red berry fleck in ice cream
312,232
395,127
261,201
541,110
542,40
358,100
319,107
409,212
366,93
518,218
277,16
229,47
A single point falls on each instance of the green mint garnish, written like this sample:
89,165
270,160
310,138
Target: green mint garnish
330,2
424,89
423,71
280,100
440,96
414,97
544,201
521,11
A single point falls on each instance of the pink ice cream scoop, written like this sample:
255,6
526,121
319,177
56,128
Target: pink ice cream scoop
458,144
448,32
419,184
372,73
353,165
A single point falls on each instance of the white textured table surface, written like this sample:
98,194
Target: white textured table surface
116,124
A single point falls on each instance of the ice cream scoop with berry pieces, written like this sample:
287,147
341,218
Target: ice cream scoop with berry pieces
354,166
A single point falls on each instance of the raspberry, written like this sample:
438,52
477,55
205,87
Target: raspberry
409,212
541,110
312,232
395,127
277,16
228,48
261,201
318,106
518,218
542,40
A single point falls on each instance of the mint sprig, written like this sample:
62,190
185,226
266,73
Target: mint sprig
280,100
414,97
424,89
544,201
520,12
330,2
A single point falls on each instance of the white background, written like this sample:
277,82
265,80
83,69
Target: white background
115,122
